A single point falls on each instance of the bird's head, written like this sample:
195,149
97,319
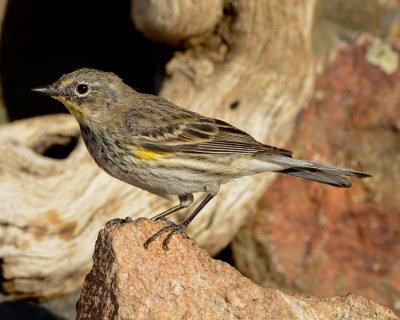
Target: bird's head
88,94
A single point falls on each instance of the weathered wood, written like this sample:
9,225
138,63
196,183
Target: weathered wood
254,69
173,22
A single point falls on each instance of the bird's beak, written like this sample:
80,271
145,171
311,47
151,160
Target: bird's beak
48,91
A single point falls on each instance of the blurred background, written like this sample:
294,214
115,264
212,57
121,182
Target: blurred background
301,237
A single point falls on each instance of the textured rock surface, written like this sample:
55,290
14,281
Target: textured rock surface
343,20
320,240
129,282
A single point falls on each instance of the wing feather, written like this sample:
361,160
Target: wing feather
174,129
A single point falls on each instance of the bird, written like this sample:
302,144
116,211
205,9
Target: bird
151,143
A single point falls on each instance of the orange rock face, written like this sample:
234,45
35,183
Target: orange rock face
129,282
320,240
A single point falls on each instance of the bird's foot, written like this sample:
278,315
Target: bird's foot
172,228
117,221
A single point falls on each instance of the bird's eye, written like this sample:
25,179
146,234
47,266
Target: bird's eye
82,88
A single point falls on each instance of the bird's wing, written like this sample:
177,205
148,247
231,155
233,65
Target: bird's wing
229,139
189,132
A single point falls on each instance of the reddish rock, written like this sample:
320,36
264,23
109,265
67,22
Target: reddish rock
316,239
129,282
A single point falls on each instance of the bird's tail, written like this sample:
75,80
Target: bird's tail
314,171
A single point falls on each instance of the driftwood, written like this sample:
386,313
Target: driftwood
252,68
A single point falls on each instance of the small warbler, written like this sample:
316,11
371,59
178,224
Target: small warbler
153,144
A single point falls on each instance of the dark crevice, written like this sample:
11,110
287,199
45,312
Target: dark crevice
56,147
226,255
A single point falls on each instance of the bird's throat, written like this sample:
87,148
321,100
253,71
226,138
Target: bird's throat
77,112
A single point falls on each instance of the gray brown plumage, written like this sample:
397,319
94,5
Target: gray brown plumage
160,147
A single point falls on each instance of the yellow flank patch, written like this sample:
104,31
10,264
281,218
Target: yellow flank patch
148,154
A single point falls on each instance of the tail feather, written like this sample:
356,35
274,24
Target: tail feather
315,171
320,176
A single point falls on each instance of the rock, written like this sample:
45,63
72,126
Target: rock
129,282
343,20
319,240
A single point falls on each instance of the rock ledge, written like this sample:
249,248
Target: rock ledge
129,282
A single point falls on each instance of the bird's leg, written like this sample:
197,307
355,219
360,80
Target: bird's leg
184,201
174,228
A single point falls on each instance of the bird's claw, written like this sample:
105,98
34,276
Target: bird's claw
172,228
117,221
